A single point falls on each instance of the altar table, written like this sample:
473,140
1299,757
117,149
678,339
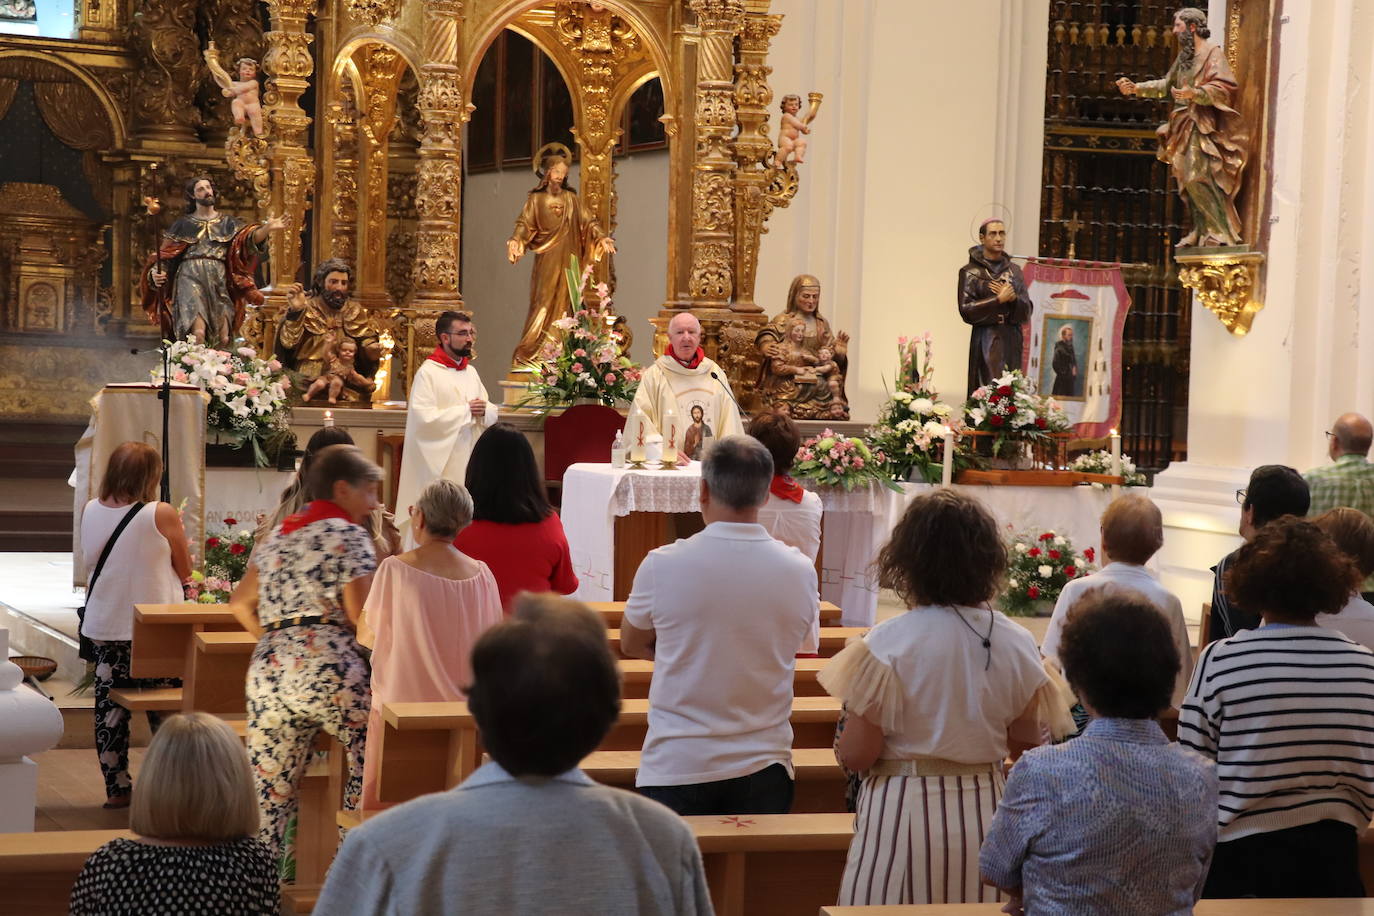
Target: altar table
614,516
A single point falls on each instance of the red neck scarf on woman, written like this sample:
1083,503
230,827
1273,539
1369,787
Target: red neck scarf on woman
695,361
312,512
443,359
784,487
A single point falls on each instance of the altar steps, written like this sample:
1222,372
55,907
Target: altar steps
35,530
35,462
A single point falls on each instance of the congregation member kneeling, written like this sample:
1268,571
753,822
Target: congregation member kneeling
528,832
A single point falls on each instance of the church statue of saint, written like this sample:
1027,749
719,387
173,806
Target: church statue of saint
992,298
555,225
210,259
315,325
803,362
1204,140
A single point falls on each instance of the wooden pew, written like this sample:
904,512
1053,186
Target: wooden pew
637,674
218,672
612,612
162,635
820,783
1336,906
37,870
773,864
429,747
833,639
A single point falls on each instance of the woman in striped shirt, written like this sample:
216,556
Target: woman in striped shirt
1287,712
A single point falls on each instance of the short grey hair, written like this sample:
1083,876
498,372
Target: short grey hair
447,507
737,471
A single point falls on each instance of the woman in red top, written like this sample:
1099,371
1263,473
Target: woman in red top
514,529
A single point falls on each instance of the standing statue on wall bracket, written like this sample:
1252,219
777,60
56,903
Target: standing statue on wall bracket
243,92
992,298
1204,140
202,277
555,225
803,362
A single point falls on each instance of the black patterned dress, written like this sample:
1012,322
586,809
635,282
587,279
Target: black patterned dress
129,878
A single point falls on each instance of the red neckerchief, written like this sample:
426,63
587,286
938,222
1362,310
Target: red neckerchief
697,357
784,487
313,512
443,359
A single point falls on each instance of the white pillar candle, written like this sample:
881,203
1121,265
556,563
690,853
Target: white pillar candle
328,418
1116,462
947,472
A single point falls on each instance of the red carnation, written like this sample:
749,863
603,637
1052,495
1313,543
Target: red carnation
237,548
1004,389
1054,554
1070,571
212,542
1047,536
1088,552
1033,552
1040,422
1033,592
996,420
231,522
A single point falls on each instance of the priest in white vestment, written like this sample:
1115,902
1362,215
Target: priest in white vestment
685,378
447,411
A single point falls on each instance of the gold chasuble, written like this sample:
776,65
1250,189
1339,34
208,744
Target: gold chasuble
555,226
669,381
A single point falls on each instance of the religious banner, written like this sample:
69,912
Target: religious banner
1073,351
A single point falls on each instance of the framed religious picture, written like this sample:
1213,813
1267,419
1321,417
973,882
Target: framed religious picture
1064,356
1073,350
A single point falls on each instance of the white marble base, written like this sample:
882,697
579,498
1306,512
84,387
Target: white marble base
18,795
1201,525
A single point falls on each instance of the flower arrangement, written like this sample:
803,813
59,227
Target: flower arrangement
247,395
226,560
1039,568
839,461
913,423
1100,462
1008,412
587,362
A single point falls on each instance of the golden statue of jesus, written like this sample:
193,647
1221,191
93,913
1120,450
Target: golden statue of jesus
555,226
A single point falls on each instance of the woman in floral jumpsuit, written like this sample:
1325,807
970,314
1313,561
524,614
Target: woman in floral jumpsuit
302,595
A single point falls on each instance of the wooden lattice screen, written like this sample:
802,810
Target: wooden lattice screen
1106,198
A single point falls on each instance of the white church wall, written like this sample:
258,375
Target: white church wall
1268,397
932,113
499,293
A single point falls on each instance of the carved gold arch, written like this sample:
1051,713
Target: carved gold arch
118,127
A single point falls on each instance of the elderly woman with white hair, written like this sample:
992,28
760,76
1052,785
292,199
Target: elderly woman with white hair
425,611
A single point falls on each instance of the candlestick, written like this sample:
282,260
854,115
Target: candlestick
1116,462
947,472
328,418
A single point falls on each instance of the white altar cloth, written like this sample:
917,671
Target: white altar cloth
856,524
594,494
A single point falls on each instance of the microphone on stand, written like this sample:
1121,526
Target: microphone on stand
727,390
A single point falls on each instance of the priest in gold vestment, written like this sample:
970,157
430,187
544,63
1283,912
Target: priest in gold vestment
555,225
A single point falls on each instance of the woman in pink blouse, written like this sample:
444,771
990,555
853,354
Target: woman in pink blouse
425,611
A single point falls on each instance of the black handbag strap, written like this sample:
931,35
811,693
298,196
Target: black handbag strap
109,545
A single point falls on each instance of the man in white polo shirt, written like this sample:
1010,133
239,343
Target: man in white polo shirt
723,615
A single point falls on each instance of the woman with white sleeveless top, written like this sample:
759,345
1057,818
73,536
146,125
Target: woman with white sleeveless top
147,564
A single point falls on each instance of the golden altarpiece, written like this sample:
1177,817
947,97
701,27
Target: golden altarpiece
372,172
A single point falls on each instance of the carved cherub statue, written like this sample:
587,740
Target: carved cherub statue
243,92
791,142
338,371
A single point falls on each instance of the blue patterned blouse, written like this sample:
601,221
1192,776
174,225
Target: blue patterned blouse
1115,821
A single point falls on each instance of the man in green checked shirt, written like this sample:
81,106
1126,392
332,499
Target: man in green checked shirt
1350,481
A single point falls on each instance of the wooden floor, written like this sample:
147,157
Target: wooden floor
71,791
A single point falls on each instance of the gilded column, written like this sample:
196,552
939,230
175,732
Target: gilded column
380,68
712,278
288,64
752,148
343,206
163,38
438,181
